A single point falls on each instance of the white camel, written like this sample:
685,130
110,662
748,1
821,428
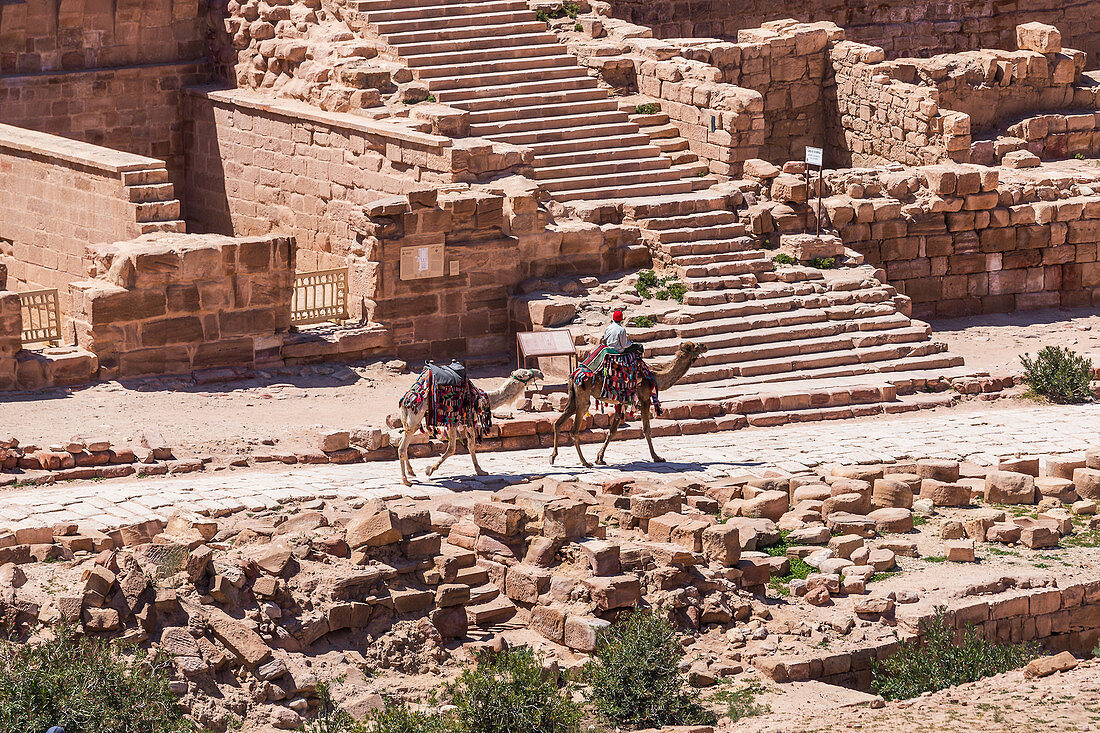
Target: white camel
411,420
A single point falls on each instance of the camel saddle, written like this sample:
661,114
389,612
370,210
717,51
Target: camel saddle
451,375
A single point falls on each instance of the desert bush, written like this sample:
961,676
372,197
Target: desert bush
510,692
741,703
936,662
635,680
649,108
643,321
85,685
784,259
400,718
1058,374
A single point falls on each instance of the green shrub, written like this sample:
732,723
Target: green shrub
1058,374
647,280
643,321
784,259
937,662
649,108
798,568
399,718
509,692
1079,156
634,678
741,703
85,685
823,263
578,27
768,244
330,717
672,290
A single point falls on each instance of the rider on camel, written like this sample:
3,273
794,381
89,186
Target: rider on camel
615,336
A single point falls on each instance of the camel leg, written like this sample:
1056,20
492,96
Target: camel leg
578,417
452,444
471,443
410,421
570,409
647,431
615,420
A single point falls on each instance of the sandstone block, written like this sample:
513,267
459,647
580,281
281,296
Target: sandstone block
1046,666
938,469
1057,488
892,520
1004,487
498,517
1038,37
1087,483
617,591
372,527
525,583
580,633
564,519
722,544
1004,532
603,556
550,622
945,494
959,550
654,504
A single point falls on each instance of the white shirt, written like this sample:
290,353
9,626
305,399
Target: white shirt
615,337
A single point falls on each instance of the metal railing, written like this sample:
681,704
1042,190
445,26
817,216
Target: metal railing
41,317
319,296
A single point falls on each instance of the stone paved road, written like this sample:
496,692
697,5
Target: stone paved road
981,435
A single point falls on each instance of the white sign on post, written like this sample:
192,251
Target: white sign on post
814,156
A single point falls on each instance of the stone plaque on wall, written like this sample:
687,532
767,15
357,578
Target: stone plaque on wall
422,261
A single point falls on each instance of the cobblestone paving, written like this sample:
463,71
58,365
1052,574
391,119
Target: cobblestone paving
979,436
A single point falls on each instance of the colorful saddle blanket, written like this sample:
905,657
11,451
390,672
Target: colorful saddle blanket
621,374
453,403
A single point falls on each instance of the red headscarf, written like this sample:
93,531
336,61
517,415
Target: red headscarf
617,316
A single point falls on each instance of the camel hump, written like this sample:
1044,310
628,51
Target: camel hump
449,375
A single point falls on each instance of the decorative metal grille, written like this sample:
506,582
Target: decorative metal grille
320,296
41,317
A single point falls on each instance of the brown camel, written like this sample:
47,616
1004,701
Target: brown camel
580,400
512,388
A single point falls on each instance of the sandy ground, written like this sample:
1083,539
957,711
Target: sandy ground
1007,703
288,407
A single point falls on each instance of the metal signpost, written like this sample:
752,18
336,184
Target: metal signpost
815,157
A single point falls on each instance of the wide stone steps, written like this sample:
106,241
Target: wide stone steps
731,230
459,97
705,219
626,179
684,264
523,63
700,277
602,168
578,145
455,32
592,156
796,345
517,101
532,124
842,361
513,39
446,20
620,192
568,108
450,59
372,6
535,137
151,193
447,9
478,80
680,250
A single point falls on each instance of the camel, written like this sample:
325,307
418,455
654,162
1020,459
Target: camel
512,388
580,399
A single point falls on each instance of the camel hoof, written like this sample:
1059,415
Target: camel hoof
429,472
406,482
658,459
601,462
482,473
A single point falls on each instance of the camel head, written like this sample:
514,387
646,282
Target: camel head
527,375
691,350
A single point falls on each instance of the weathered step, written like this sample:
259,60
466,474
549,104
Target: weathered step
698,276
372,6
534,124
693,234
703,219
478,80
456,31
570,109
573,145
492,612
677,250
579,132
618,193
682,263
450,9
427,22
573,158
563,96
601,168
471,56
513,38
432,74
625,179
458,96
150,193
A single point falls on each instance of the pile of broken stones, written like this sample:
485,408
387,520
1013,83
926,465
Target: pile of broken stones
257,609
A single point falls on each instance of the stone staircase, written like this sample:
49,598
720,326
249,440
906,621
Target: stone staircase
521,86
156,208
838,334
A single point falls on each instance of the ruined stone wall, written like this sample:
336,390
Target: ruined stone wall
171,303
969,244
133,109
902,28
1058,619
59,195
786,62
11,327
874,119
